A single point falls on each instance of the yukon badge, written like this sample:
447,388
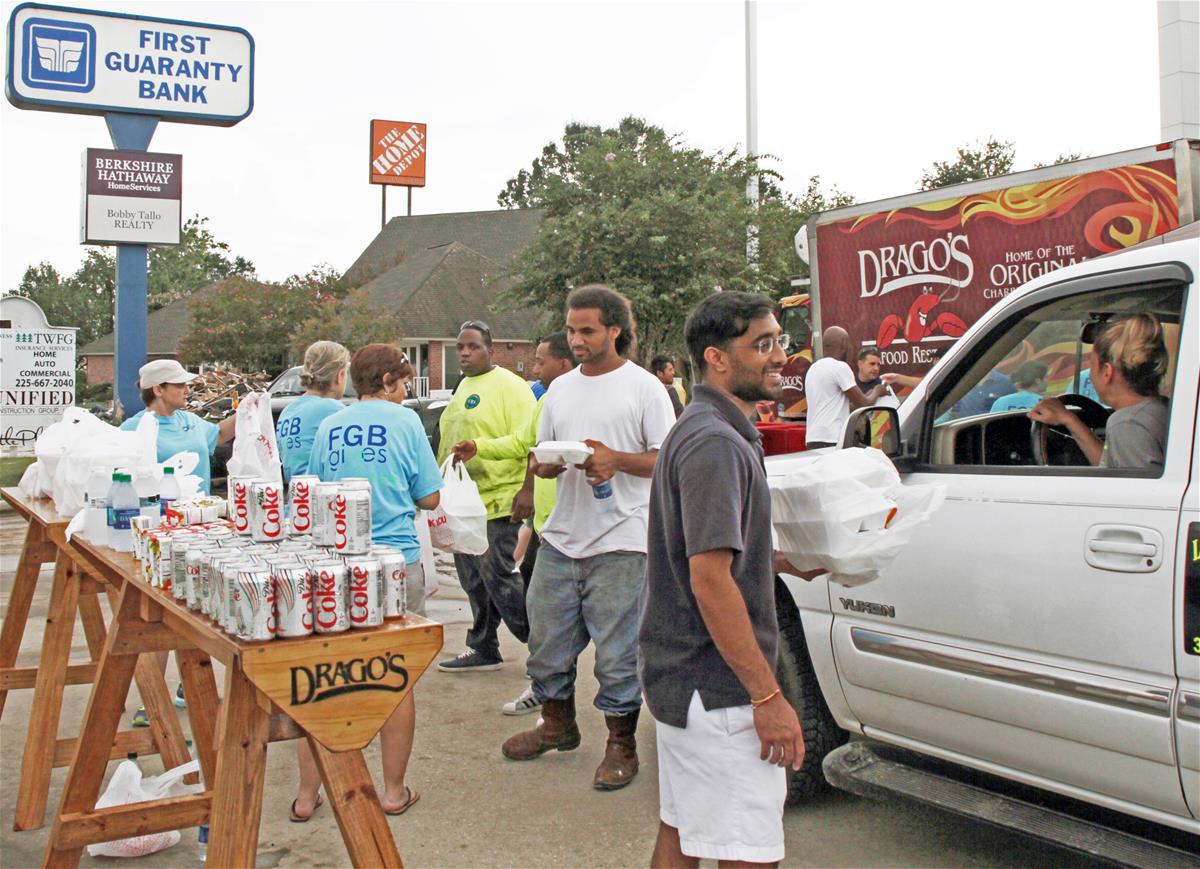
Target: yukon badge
866,606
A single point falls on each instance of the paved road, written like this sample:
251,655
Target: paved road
479,810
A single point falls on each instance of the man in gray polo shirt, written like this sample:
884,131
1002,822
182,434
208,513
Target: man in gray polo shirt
709,635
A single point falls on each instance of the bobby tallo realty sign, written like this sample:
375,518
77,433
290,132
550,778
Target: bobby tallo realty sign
398,153
37,371
131,197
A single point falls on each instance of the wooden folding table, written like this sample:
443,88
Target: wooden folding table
74,593
335,690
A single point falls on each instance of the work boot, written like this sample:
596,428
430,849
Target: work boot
556,729
620,762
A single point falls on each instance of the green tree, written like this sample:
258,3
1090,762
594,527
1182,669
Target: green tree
353,322
177,271
982,160
634,208
247,323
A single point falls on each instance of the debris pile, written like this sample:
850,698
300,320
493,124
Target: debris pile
215,392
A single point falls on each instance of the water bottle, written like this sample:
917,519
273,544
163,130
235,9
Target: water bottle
168,489
603,493
202,830
123,506
148,505
95,525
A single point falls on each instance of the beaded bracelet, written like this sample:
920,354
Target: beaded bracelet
756,703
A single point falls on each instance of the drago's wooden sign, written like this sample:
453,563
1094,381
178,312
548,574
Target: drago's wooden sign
341,688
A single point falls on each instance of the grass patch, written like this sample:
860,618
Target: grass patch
12,467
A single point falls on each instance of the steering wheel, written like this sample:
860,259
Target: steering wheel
1090,412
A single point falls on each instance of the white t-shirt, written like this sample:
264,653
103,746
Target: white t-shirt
627,410
825,386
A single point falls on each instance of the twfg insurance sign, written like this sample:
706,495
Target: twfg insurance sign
76,60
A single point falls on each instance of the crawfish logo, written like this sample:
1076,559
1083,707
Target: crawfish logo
917,326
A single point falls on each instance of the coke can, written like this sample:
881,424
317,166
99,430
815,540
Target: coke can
210,578
192,569
352,522
330,615
395,582
365,595
266,511
254,602
293,600
226,599
301,491
239,503
322,512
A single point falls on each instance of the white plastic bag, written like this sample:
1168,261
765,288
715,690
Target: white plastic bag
428,563
70,449
128,786
849,513
459,524
255,449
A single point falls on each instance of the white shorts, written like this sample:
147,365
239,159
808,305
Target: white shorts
725,802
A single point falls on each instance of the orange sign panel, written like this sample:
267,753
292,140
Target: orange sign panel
398,153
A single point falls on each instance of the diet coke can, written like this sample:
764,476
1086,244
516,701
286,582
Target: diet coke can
395,582
226,598
330,615
293,600
324,493
365,597
266,511
254,602
352,522
239,503
192,566
301,492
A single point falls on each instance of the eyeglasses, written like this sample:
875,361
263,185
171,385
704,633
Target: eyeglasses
765,345
477,325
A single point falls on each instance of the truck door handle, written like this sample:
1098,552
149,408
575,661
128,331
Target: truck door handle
1124,548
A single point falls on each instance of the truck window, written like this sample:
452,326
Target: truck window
980,415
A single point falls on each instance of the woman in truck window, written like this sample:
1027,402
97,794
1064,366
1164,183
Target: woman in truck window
1128,362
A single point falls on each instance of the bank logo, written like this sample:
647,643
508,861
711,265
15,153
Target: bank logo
59,55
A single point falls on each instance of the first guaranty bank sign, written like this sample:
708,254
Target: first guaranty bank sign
77,60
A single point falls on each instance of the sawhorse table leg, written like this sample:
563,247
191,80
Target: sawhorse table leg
37,550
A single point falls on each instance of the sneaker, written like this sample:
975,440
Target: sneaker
523,704
180,700
470,661
140,718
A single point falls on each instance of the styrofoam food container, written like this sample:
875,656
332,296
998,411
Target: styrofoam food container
562,452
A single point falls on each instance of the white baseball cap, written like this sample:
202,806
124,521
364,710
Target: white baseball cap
162,371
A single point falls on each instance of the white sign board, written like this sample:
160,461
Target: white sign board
131,197
37,371
76,60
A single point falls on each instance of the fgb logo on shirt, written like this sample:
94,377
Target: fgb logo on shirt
59,55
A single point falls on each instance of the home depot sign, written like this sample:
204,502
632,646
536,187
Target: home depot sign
398,153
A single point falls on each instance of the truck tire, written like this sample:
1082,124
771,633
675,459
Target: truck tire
799,683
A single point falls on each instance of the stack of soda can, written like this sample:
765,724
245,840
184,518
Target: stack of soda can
288,562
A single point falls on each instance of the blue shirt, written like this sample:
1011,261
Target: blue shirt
538,389
984,395
385,443
296,429
1022,400
181,432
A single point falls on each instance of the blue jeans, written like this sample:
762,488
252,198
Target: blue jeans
573,600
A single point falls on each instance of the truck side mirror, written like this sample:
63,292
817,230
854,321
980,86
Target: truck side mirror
877,427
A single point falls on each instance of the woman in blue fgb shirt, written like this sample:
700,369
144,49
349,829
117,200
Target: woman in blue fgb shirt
380,439
324,379
164,386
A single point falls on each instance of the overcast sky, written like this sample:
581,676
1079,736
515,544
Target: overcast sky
865,95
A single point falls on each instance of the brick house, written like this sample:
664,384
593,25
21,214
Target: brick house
433,271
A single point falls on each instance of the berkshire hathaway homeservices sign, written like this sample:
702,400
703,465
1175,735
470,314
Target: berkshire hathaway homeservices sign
131,197
92,62
37,371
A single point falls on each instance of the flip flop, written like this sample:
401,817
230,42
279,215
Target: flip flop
413,796
297,819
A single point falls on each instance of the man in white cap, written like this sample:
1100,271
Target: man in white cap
164,386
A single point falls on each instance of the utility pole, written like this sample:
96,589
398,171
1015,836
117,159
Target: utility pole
752,126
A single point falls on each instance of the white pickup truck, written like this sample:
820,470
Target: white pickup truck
1043,630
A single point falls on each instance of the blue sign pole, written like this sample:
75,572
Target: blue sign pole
133,133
